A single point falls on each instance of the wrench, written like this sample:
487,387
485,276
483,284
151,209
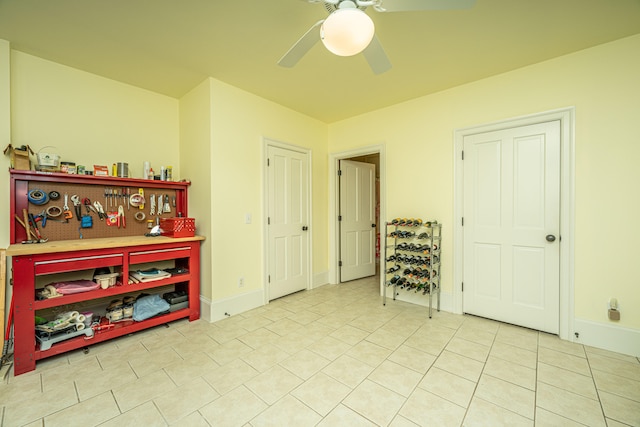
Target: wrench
77,205
65,208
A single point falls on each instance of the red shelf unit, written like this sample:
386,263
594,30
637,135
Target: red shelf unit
32,261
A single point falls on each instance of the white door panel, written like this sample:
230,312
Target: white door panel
357,227
288,214
511,202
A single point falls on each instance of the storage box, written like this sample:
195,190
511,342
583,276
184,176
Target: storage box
178,227
48,161
19,157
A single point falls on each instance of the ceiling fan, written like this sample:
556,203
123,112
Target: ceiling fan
348,30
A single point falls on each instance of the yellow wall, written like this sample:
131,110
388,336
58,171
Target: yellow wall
603,85
90,119
240,121
5,136
195,161
215,136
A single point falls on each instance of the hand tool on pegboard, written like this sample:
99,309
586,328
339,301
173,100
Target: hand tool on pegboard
30,237
122,221
65,208
77,206
100,210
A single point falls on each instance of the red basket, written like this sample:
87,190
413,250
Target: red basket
178,227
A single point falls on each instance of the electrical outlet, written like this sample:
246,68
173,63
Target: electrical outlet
614,309
241,282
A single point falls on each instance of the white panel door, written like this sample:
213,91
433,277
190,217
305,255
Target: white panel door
288,221
358,220
511,226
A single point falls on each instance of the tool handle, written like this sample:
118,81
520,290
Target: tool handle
25,215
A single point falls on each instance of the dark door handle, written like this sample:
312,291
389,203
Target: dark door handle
373,226
551,238
305,228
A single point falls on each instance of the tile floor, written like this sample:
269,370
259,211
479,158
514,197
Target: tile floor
334,356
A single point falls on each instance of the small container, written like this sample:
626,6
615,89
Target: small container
169,173
81,170
106,280
122,170
64,167
146,167
163,176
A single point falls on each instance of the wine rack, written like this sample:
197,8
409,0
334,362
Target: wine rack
412,258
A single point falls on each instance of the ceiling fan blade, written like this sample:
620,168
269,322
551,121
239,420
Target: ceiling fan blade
301,47
407,5
376,57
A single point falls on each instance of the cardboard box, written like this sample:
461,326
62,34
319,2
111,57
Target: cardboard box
19,157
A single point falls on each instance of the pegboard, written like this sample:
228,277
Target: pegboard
94,189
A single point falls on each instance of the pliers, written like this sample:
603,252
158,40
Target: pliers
100,210
121,221
87,204
76,203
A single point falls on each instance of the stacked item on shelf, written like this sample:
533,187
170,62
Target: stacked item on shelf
65,326
413,257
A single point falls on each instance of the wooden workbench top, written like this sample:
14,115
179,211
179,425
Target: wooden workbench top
88,244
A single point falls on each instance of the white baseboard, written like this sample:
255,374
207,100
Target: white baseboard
607,337
212,311
205,309
320,279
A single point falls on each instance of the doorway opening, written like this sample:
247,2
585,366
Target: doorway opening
371,155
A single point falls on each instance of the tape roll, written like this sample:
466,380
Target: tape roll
136,200
140,216
54,195
80,318
37,197
54,211
80,326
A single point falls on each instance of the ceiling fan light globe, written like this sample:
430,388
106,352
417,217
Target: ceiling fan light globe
347,32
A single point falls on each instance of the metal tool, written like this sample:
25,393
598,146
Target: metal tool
87,204
77,205
167,206
128,196
159,204
36,230
100,210
152,202
121,221
65,208
44,217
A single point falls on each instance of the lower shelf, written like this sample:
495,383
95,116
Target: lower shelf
118,330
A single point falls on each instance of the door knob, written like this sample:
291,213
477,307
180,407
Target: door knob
550,238
373,226
305,228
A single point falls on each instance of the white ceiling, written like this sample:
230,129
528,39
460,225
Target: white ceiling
169,46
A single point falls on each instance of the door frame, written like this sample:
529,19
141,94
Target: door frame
567,207
266,143
334,204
